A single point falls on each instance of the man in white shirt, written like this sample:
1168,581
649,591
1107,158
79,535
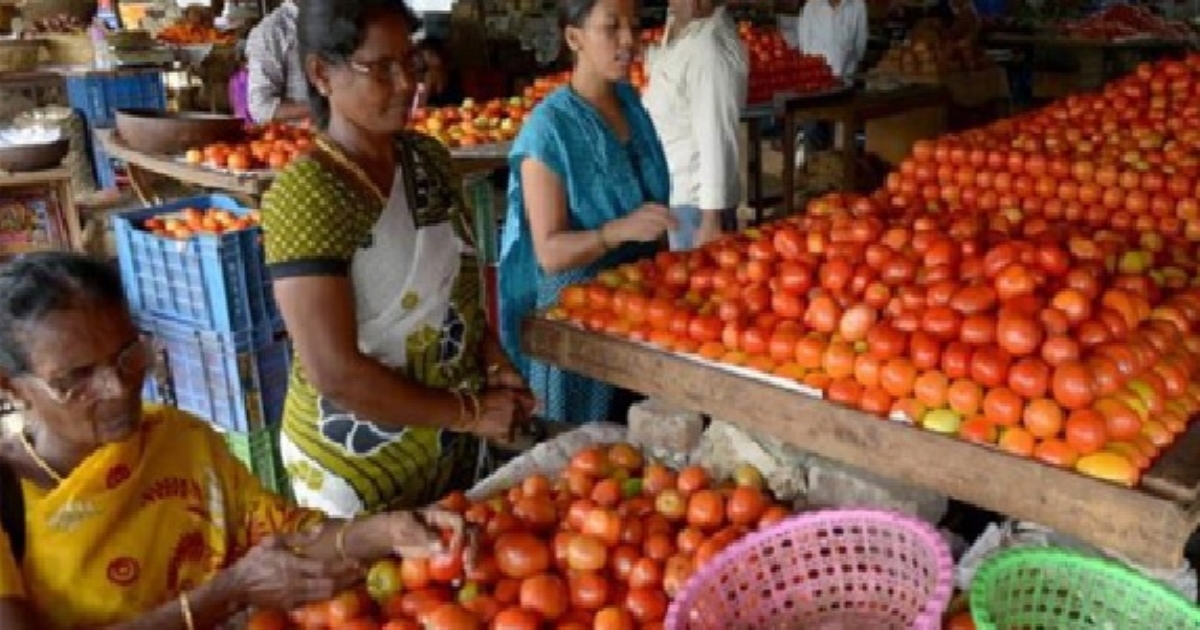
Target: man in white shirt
837,30
696,93
277,87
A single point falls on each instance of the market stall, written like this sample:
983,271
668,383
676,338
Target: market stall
37,212
1150,525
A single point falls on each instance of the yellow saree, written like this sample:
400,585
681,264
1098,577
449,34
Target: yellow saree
139,521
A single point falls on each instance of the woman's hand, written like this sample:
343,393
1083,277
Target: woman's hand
272,576
501,411
645,225
424,533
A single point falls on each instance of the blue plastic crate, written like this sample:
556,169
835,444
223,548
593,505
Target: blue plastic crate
238,381
99,95
213,282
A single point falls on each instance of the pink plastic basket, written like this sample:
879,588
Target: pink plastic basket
826,570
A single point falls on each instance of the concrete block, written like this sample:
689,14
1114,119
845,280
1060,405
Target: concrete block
832,484
656,426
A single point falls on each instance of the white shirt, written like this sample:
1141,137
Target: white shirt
837,34
695,97
275,70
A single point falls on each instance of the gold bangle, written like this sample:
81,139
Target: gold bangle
462,408
604,244
185,607
339,539
478,408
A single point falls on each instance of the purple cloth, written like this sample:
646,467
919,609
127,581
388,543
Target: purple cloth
239,94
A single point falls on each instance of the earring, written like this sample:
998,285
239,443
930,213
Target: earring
324,91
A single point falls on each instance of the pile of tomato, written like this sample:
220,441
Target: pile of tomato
605,545
267,147
775,67
1028,286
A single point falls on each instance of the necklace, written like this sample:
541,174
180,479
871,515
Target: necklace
37,459
339,157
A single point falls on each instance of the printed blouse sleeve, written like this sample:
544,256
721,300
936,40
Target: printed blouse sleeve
254,512
305,232
12,583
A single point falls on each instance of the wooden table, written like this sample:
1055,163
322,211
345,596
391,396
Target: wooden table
1149,525
249,187
850,112
58,183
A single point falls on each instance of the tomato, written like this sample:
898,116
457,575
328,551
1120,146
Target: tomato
646,605
1029,377
614,618
1085,431
924,350
447,567
823,314
1043,418
545,594
838,361
956,360
604,524
384,580
451,617
897,377
585,553
706,510
885,341
414,573
646,573
521,555
978,330
971,300
930,388
1019,335
516,618
989,366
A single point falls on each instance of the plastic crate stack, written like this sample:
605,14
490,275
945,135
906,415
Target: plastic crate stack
208,304
98,95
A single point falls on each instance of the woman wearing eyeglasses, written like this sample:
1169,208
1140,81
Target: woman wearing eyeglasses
119,516
367,241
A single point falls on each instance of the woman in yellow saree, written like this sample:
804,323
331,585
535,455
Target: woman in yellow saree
119,516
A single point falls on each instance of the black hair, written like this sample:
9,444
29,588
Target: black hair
574,12
334,29
35,285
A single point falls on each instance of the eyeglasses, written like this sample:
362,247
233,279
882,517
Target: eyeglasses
93,382
412,67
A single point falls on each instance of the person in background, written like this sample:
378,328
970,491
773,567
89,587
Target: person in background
368,244
696,93
119,515
443,82
277,86
836,30
587,191
963,23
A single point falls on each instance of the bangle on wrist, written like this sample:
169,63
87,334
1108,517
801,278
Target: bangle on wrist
185,609
462,408
478,409
339,540
604,242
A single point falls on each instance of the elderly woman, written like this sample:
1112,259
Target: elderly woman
117,515
368,245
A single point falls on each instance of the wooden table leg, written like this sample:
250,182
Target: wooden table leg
789,164
847,130
754,173
66,205
141,187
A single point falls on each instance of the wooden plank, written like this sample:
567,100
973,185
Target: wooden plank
36,178
1176,475
1145,528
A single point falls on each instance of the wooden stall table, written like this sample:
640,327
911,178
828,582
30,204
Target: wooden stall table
61,196
850,112
1149,525
247,187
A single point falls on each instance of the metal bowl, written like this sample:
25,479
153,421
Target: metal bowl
26,158
159,132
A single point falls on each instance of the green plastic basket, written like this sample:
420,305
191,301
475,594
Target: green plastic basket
1044,588
259,451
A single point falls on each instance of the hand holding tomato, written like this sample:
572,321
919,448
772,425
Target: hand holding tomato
271,575
421,533
646,224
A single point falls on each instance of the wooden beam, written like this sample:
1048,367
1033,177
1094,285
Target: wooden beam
1148,529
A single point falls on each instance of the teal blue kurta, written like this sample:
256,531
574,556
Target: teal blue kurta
605,179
